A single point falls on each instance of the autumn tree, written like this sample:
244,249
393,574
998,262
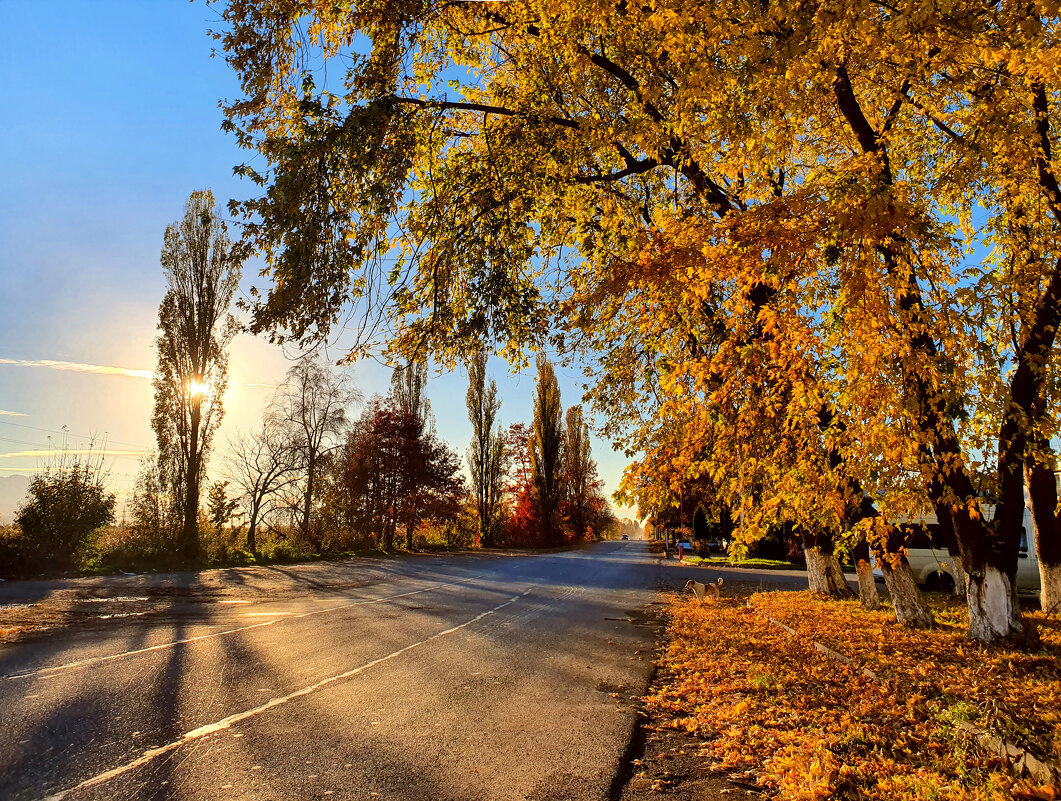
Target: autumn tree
757,213
426,470
521,525
364,490
196,328
486,454
409,392
261,464
393,473
220,508
517,446
311,408
149,507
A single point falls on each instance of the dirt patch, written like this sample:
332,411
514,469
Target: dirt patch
663,762
66,608
671,765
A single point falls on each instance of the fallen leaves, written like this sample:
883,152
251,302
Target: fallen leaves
813,728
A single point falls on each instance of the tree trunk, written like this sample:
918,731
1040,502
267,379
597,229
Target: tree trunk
994,613
823,568
989,552
252,531
190,529
961,578
993,610
1050,587
946,527
910,608
867,585
1042,491
822,571
409,537
308,500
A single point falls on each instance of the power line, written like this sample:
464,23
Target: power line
69,433
21,442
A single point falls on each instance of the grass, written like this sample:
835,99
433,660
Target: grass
760,564
117,549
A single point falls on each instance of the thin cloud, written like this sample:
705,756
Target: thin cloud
76,367
5,413
68,452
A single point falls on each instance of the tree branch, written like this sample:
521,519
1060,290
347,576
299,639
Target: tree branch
452,105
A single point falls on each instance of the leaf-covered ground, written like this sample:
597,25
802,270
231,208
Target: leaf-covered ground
808,727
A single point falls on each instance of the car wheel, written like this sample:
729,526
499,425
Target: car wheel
939,582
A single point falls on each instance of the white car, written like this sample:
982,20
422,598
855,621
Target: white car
933,567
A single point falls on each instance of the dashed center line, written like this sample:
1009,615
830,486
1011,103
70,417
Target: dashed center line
225,723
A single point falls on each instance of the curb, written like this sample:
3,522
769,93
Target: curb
1046,772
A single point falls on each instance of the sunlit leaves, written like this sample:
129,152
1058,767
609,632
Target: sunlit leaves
811,727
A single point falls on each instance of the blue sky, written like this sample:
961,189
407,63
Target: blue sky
110,121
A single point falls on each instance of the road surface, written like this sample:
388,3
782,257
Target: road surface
456,677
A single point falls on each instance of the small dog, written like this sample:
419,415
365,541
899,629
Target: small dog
702,591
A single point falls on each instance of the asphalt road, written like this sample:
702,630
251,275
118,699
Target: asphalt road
456,677
467,677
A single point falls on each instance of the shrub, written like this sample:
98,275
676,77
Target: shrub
123,548
66,504
12,552
283,550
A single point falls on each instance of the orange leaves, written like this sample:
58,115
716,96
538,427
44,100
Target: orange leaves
814,728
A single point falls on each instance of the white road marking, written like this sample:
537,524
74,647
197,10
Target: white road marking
95,660
225,723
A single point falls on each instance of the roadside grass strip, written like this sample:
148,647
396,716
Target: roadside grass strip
839,702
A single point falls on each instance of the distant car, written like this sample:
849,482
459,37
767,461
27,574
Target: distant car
626,536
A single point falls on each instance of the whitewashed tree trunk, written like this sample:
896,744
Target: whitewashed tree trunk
867,586
824,574
910,608
961,578
1050,587
993,611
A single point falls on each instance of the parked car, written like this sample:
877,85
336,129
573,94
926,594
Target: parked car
625,537
933,567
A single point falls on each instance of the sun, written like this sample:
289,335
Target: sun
198,388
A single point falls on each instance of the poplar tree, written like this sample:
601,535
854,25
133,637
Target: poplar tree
196,329
486,454
546,450
579,471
